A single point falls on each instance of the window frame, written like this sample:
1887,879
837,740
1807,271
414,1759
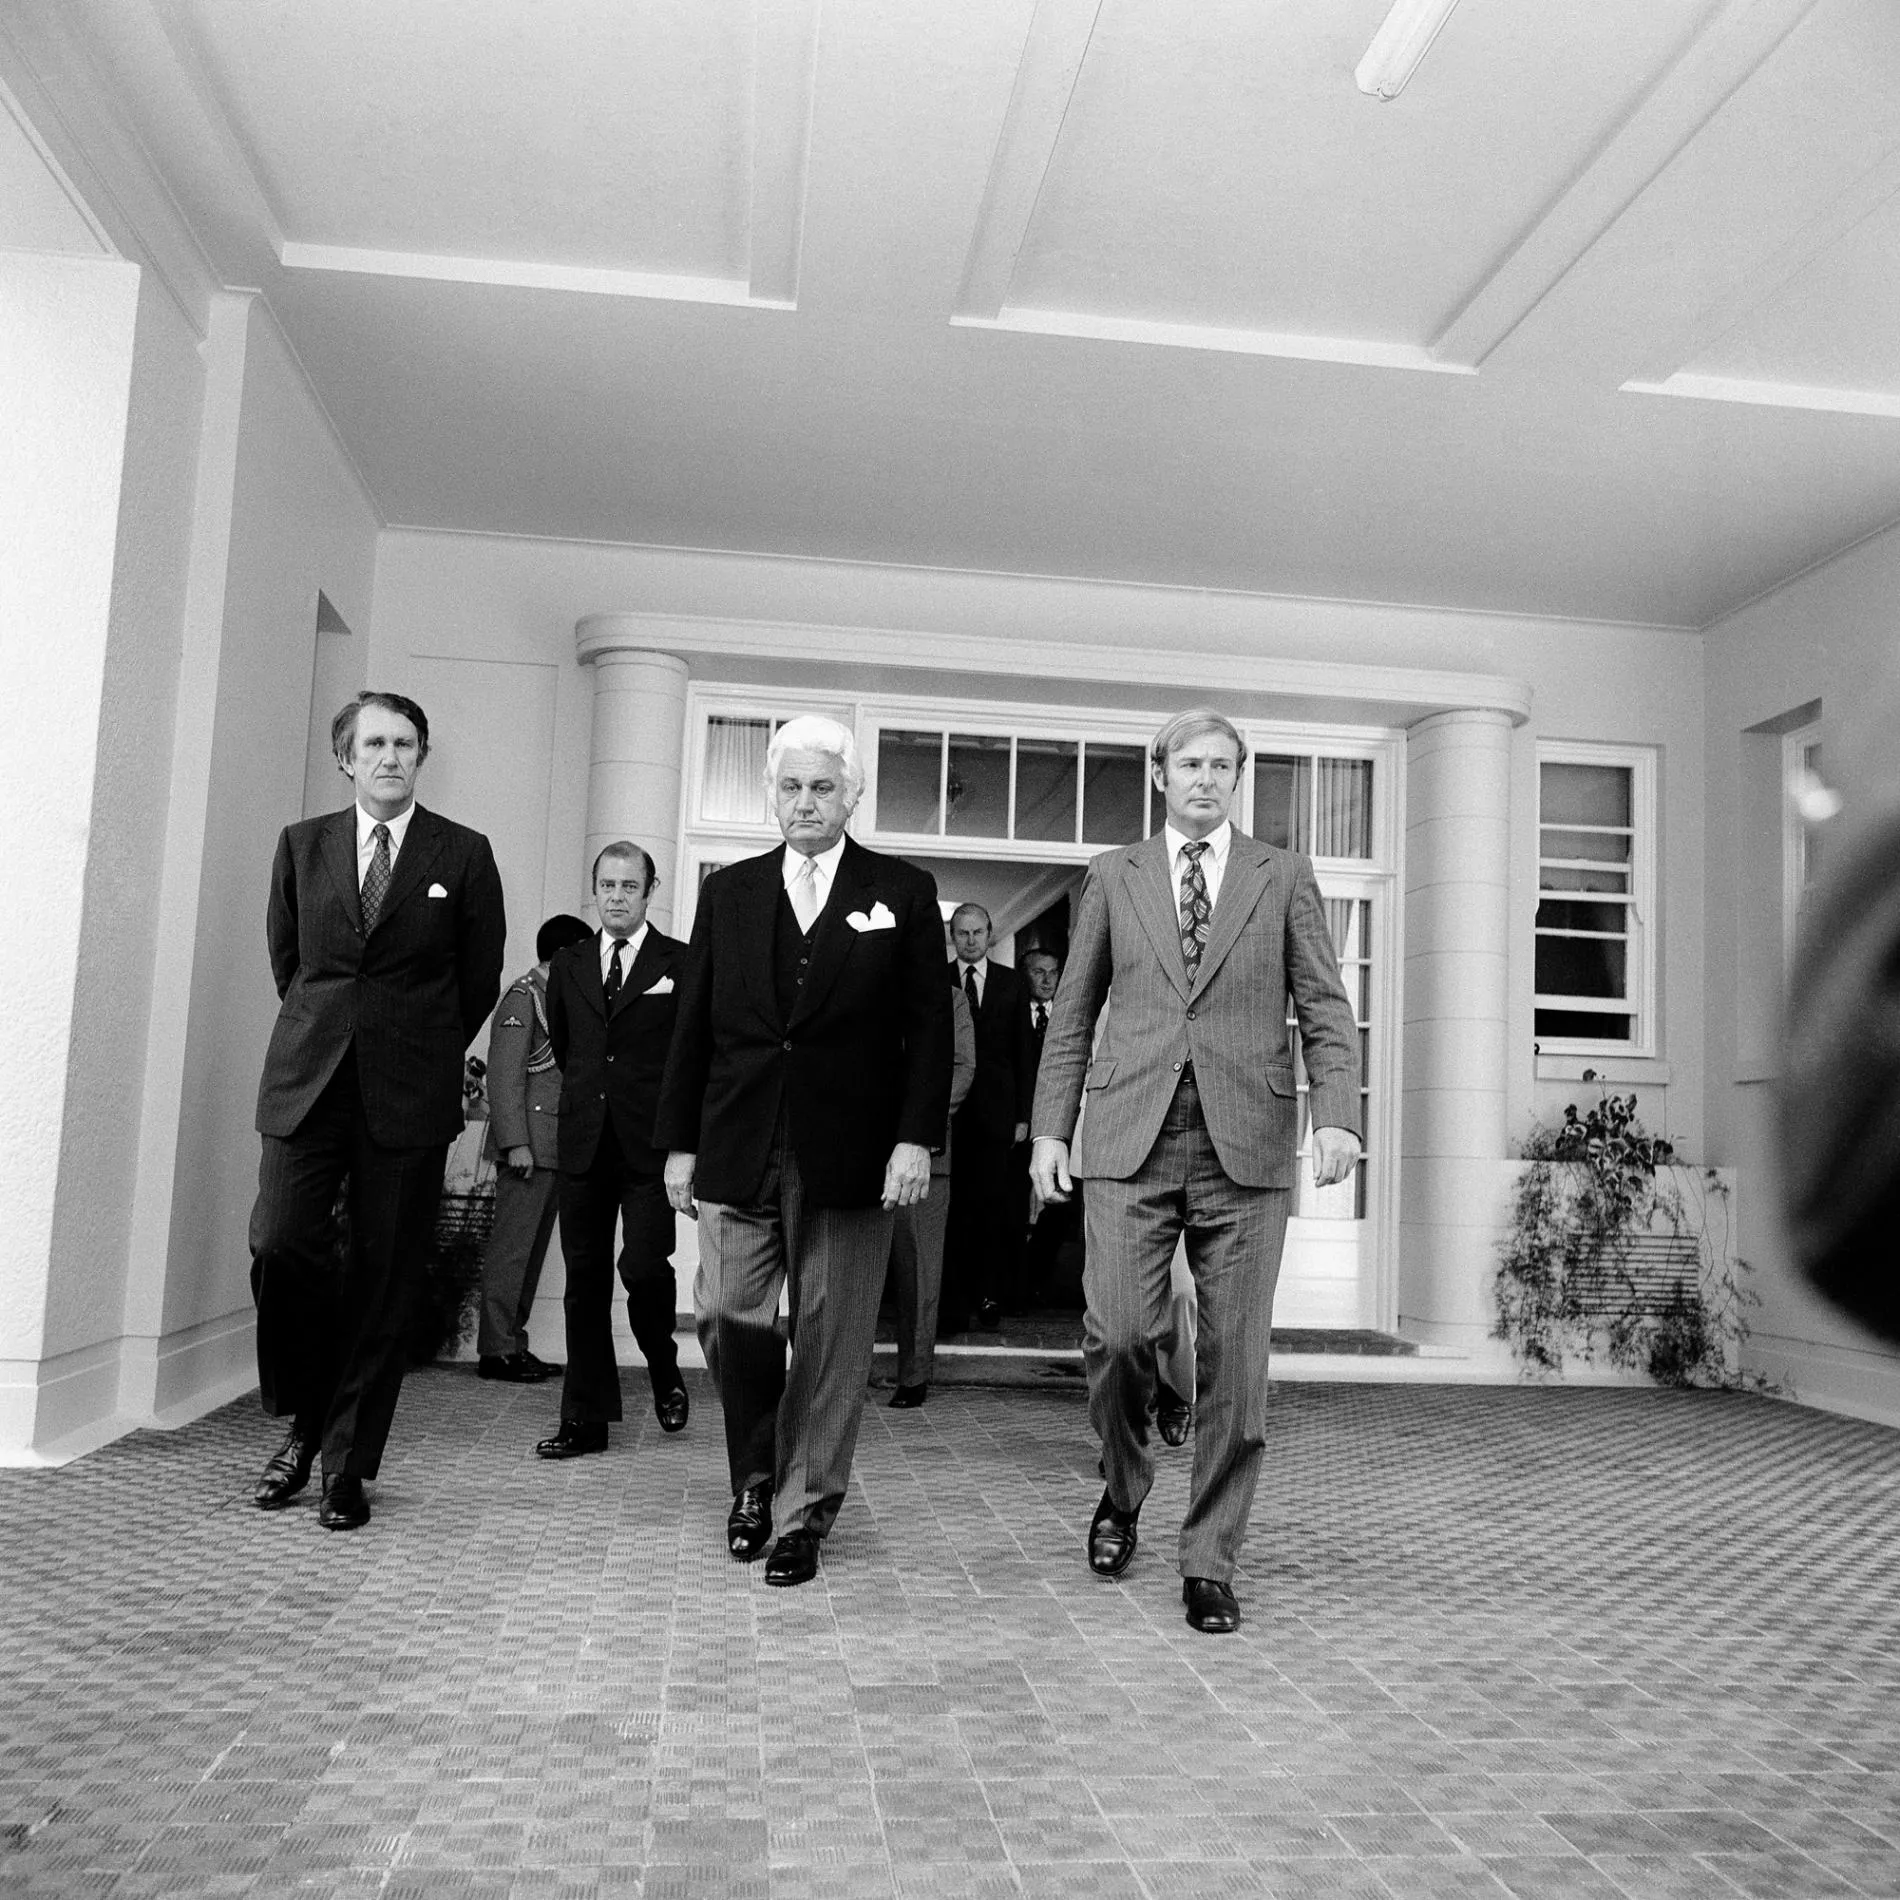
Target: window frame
1797,855
1641,996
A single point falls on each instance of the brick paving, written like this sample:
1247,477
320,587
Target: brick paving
1549,1643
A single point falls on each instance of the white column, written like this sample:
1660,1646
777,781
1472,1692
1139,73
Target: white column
639,749
1456,1036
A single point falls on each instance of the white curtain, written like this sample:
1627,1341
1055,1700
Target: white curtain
1343,826
734,786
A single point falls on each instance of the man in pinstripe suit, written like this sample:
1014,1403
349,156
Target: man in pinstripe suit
1195,939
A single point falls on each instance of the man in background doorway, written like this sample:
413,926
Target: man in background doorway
524,1101
989,1188
917,1236
386,930
1051,1226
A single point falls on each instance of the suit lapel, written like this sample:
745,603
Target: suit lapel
421,846
1242,887
831,937
339,857
1152,890
587,979
643,970
760,880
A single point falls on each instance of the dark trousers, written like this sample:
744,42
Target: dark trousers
796,1424
612,1192
989,1209
1234,1239
332,1335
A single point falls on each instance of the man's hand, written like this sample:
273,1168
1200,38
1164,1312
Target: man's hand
1335,1155
907,1175
519,1162
1049,1170
679,1184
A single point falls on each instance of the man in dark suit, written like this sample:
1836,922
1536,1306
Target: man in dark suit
1195,938
808,1081
1053,1226
385,929
611,1002
989,1195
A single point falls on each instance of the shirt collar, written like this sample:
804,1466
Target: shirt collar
398,827
607,946
981,966
1218,840
825,863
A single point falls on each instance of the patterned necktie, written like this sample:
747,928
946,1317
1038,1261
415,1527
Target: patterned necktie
616,975
1195,909
376,878
969,987
805,894
1042,1015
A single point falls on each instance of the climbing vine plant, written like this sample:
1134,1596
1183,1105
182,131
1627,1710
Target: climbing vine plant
1613,1251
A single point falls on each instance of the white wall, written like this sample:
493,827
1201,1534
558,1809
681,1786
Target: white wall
1833,635
67,327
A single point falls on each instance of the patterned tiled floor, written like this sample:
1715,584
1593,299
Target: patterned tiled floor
1545,1643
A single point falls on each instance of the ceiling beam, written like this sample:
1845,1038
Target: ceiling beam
1670,114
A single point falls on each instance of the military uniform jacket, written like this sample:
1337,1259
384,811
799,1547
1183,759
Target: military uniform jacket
524,1083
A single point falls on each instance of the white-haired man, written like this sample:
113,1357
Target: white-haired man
808,1080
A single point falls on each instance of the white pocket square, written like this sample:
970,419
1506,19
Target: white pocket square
438,890
664,987
879,919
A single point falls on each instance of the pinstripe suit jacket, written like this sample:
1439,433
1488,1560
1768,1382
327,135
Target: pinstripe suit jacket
1267,941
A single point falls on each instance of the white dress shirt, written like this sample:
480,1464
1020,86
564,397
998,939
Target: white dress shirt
824,868
633,943
982,968
1213,861
366,824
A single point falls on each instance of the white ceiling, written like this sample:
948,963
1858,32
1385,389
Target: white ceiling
1598,318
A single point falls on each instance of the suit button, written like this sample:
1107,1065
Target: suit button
1177,1068
788,1044
610,1058
1190,1019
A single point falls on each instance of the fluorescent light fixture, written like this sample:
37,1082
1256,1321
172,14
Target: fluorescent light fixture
1400,44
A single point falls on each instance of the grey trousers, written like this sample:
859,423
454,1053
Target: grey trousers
796,1423
512,1260
1234,1240
917,1237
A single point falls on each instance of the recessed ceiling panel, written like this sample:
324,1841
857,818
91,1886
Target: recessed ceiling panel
583,132
1218,166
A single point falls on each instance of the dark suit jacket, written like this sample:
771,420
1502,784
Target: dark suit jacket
611,1065
413,993
862,1064
1005,1084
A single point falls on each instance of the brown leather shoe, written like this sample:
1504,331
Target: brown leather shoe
1113,1535
749,1527
287,1472
1211,1608
344,1507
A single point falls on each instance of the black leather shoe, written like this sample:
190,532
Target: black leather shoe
1112,1538
344,1507
794,1559
749,1527
989,1316
670,1409
288,1471
908,1396
1173,1414
573,1440
519,1368
1211,1608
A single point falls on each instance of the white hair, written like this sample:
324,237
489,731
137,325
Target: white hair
812,732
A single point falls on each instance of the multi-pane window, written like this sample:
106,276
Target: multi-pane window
1321,806
1593,868
1032,788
